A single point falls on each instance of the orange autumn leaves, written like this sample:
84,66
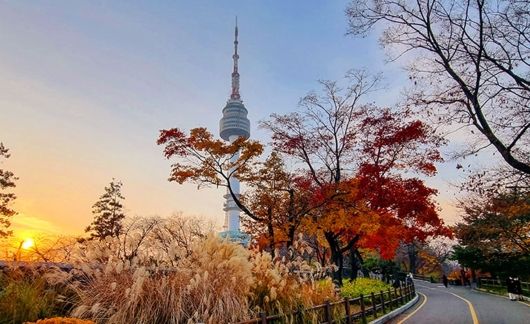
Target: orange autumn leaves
282,203
352,179
206,160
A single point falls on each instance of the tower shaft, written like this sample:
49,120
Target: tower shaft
233,125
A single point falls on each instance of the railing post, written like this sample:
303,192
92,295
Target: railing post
327,312
401,300
347,308
374,304
382,297
363,314
263,318
389,298
396,299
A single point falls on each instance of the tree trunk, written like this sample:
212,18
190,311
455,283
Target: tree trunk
356,262
412,253
336,256
272,246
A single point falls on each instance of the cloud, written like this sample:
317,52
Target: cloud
24,226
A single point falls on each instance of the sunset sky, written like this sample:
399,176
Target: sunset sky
86,86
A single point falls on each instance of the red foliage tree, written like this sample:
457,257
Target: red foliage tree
360,153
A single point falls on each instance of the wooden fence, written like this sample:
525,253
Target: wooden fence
497,283
348,310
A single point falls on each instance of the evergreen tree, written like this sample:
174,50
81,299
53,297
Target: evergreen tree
108,213
7,180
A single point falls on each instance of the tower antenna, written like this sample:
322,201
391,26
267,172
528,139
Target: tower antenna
235,73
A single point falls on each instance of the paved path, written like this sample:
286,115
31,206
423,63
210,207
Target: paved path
460,305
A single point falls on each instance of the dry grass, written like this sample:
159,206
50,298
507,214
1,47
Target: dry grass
217,282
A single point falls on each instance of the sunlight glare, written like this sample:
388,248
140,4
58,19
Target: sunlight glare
28,244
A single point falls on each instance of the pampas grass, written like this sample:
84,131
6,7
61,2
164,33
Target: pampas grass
217,282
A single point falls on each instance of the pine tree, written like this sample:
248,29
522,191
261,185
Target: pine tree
108,213
7,180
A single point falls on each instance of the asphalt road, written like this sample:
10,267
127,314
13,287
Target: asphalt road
458,305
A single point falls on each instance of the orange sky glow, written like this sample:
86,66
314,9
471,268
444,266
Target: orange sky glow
85,91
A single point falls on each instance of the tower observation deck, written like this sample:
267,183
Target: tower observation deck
234,121
233,125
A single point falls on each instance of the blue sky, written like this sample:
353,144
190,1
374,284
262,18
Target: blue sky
87,85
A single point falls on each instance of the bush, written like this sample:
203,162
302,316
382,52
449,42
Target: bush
26,295
364,286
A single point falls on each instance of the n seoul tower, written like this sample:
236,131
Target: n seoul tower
234,124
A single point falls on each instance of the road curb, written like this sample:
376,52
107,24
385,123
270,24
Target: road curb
396,312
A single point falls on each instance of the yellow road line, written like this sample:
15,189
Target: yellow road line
414,312
471,308
469,304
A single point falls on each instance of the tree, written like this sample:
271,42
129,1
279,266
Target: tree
471,66
275,200
176,235
282,200
7,180
322,136
322,199
359,153
495,233
108,213
425,257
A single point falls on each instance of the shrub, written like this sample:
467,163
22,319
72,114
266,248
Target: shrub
364,286
26,295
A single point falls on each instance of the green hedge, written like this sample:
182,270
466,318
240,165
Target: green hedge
364,286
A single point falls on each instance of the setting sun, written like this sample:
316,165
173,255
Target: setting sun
28,244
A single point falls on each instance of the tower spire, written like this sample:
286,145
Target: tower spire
235,73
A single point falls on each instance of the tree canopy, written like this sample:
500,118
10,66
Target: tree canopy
495,233
108,213
352,183
470,68
7,181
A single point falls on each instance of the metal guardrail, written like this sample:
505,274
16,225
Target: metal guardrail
349,310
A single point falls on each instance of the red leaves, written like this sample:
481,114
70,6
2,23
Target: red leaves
395,144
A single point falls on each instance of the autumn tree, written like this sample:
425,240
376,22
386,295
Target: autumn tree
322,136
391,145
108,213
275,200
359,153
425,257
494,234
281,200
471,65
7,181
